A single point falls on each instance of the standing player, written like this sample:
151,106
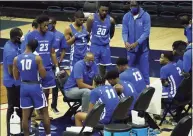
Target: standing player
60,46
28,67
130,74
135,33
102,93
77,36
101,28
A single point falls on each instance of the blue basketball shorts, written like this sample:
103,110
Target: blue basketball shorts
49,81
102,54
31,95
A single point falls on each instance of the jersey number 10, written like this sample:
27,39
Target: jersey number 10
26,64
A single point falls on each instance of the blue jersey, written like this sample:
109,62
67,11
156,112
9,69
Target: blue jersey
79,48
81,71
45,44
173,74
134,76
24,43
100,32
60,43
187,59
10,51
28,67
188,33
128,90
105,94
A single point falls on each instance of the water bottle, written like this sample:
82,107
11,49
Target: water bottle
15,123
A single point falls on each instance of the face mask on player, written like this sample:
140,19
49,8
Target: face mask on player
134,10
18,40
50,27
89,63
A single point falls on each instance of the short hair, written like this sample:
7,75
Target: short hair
177,44
32,44
42,18
113,74
121,61
53,20
15,32
168,55
79,14
98,79
103,3
34,24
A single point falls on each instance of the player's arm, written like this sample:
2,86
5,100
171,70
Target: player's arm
68,35
89,23
125,28
41,68
93,99
15,69
63,47
81,84
163,77
112,29
53,57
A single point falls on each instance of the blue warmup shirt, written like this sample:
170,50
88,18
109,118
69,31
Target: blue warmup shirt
188,33
105,94
173,74
137,30
28,67
79,48
134,76
81,71
60,43
45,44
24,43
187,59
10,51
100,32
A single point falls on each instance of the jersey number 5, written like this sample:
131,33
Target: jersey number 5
43,47
137,76
26,64
101,31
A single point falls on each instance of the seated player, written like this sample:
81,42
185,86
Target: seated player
29,66
187,60
170,75
79,83
130,74
102,93
179,47
123,88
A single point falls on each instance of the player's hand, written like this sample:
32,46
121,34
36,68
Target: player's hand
118,88
57,71
127,45
133,45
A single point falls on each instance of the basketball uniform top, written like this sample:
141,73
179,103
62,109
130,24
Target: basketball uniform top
105,94
45,43
134,76
80,45
100,32
28,67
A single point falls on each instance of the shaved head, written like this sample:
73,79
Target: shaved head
89,56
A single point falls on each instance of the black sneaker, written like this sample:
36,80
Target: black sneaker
55,110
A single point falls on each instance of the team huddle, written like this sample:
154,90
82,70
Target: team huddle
43,50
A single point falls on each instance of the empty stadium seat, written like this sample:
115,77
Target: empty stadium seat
150,5
185,7
69,11
117,15
167,19
54,8
90,6
168,6
116,6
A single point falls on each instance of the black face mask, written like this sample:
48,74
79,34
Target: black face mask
18,40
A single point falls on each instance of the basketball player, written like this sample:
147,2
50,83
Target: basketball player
123,88
24,43
102,93
179,47
187,59
135,34
186,21
60,46
130,74
11,50
77,37
101,28
170,75
28,67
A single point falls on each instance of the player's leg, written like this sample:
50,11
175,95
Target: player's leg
25,120
105,61
80,118
131,57
46,120
144,66
76,93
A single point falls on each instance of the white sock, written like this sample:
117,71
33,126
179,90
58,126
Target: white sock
48,135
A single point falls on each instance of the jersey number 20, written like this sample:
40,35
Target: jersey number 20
101,31
26,64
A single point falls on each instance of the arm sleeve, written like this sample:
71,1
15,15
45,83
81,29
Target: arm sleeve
125,28
10,57
146,26
186,63
78,71
93,97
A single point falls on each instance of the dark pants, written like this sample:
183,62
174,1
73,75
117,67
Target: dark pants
13,97
54,97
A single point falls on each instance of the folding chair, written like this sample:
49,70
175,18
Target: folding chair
182,98
62,77
92,120
183,127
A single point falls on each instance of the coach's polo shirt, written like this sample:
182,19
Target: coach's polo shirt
10,51
187,59
81,71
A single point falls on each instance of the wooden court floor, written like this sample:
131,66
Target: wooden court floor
160,39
